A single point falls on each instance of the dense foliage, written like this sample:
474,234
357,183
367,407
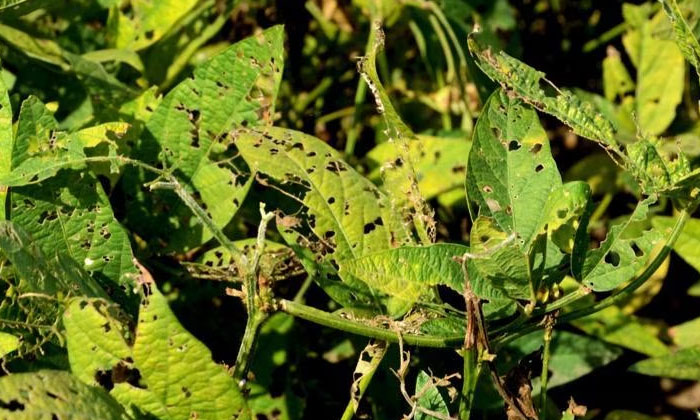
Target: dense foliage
217,209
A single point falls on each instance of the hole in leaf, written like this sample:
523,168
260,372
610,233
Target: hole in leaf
613,258
513,145
539,168
12,405
638,252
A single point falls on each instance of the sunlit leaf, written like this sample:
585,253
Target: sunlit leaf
51,394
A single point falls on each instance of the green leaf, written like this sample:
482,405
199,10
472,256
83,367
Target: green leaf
628,415
687,246
616,79
439,163
50,394
400,177
6,141
70,214
407,272
146,23
186,134
511,172
572,355
347,212
21,7
42,49
620,256
8,343
683,364
95,339
532,86
348,216
178,378
686,334
507,268
685,39
660,76
40,274
615,327
429,398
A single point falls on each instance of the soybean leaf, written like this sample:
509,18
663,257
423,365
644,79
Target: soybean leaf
686,334
617,82
534,88
70,214
186,134
687,246
685,39
347,214
50,394
683,364
346,211
400,178
429,397
8,343
615,327
21,7
176,376
6,140
572,355
618,258
146,22
40,274
660,75
511,171
407,272
439,163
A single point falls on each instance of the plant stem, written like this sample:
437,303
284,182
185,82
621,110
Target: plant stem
548,332
472,370
254,301
362,327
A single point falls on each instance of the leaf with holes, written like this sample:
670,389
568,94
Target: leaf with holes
618,258
429,397
511,172
187,133
52,394
145,22
683,364
532,86
40,274
347,214
439,162
406,273
166,373
70,214
399,173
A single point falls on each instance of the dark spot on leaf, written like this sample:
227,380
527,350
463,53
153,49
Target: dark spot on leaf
487,189
612,258
459,168
187,392
484,238
539,168
536,148
513,145
562,213
331,200
12,405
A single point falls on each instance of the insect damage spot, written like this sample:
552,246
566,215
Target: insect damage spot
369,227
536,148
12,405
612,258
539,168
513,145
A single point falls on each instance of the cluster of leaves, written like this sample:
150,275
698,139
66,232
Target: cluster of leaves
144,142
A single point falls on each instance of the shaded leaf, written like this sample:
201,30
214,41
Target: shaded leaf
683,364
429,398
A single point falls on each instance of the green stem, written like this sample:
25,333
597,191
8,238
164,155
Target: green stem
548,332
362,327
247,347
472,370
